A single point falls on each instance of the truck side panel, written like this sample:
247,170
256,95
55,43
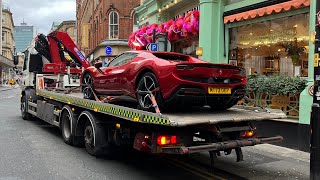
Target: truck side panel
45,111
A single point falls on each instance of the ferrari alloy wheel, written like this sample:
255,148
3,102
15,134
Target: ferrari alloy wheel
148,84
88,86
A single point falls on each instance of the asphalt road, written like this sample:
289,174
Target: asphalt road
35,150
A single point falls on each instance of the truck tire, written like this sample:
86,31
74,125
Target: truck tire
66,120
95,137
23,107
67,123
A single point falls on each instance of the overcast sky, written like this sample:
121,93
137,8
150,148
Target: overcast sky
41,13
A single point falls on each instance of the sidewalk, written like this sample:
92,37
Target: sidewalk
263,162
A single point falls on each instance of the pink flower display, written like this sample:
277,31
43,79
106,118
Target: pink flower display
182,27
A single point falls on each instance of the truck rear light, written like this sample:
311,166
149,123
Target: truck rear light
247,134
165,140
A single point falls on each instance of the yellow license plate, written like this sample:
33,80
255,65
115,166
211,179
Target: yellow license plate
212,90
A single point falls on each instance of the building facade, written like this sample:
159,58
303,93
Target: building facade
54,26
7,33
8,45
247,33
23,35
99,21
173,15
70,28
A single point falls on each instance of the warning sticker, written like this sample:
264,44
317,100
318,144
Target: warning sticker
316,60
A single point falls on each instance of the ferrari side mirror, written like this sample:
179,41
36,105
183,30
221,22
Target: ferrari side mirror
98,65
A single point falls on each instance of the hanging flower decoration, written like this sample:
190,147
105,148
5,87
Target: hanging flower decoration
182,27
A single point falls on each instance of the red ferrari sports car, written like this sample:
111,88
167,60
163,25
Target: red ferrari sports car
176,80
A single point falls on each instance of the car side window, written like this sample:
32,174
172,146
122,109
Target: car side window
122,59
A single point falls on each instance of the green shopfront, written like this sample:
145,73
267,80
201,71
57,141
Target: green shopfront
256,39
251,34
161,11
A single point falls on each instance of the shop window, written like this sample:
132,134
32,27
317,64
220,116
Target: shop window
187,46
113,25
261,47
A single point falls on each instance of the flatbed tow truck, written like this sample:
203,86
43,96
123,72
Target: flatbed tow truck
101,126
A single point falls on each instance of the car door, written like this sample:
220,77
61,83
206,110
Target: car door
109,80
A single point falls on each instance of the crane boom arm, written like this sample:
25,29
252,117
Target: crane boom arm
61,41
54,45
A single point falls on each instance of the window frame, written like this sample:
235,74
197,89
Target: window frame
113,24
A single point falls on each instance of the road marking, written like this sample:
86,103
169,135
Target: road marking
193,169
190,170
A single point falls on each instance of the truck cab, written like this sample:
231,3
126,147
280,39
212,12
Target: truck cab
32,65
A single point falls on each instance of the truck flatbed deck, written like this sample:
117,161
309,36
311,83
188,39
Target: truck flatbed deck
195,117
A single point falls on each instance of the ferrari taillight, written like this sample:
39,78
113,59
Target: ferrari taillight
244,80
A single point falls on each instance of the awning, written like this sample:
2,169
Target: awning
285,6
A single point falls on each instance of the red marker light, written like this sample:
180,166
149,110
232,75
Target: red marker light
165,140
173,139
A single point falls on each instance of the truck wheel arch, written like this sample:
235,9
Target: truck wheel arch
72,119
29,93
82,119
88,120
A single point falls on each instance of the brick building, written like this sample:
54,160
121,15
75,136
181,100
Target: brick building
101,21
69,27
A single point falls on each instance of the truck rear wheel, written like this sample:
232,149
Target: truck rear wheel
95,137
24,108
